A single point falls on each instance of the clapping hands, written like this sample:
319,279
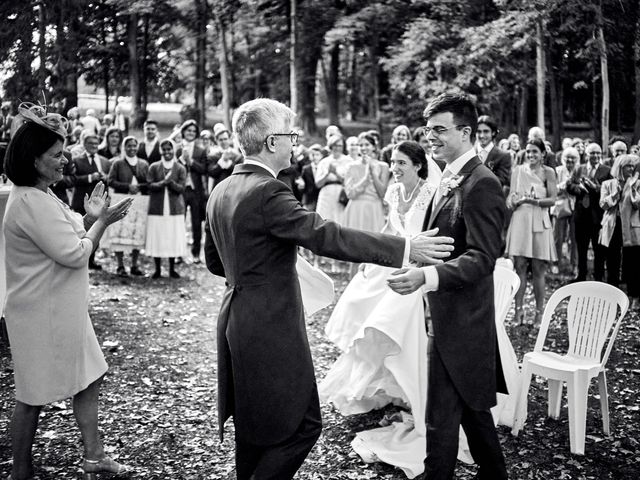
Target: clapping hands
98,206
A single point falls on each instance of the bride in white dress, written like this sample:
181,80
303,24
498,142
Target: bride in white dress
382,334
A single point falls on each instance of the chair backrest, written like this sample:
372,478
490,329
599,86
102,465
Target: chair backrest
592,318
505,285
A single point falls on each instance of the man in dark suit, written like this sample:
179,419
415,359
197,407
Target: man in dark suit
584,184
497,160
253,229
90,168
149,148
464,365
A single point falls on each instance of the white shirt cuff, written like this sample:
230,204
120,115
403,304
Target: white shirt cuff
431,279
407,251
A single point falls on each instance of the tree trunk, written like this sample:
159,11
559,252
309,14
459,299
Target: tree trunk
353,82
65,77
540,73
105,66
604,71
636,61
375,72
201,58
293,51
224,74
523,111
331,85
42,46
144,88
308,65
136,114
556,107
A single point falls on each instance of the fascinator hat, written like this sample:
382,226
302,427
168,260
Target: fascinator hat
30,112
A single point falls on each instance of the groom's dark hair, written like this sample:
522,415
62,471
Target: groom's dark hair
459,104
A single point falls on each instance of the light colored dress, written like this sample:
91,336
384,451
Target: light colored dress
530,232
384,343
328,206
364,210
53,344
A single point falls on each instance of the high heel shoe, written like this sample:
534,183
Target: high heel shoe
91,468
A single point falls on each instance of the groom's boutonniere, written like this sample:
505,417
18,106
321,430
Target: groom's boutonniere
450,184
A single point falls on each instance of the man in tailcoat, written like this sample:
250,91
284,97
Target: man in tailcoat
463,360
253,229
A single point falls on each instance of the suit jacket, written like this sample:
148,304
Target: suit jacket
310,191
153,157
253,228
499,162
462,309
588,210
215,171
81,178
196,169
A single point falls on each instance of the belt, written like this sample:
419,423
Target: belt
333,183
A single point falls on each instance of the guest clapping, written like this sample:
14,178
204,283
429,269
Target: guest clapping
128,178
530,237
55,351
166,230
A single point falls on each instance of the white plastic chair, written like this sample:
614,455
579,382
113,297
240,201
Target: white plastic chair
593,321
505,285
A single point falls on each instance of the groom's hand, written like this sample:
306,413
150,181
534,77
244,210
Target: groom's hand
428,249
406,280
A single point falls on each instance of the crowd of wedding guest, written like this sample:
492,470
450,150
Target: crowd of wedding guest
567,207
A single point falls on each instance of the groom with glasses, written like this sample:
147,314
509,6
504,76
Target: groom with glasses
463,360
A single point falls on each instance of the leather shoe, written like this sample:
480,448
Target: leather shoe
95,266
174,274
136,271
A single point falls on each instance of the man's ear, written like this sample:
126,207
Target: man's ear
270,142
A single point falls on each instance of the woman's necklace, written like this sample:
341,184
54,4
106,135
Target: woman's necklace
408,199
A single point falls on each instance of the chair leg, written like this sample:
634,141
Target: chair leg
604,402
521,405
577,391
555,398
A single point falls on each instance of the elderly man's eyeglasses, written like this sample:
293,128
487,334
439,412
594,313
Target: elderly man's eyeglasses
437,131
292,135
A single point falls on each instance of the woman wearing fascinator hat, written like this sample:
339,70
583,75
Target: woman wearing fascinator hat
55,351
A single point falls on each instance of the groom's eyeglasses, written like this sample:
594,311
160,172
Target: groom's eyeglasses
292,135
437,131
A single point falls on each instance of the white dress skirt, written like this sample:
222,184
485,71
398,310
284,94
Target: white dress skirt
383,339
166,233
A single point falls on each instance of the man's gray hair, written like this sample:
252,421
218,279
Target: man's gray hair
256,119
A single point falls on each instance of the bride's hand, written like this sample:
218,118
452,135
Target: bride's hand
93,204
406,280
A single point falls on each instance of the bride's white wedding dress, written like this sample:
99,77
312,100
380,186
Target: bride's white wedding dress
383,341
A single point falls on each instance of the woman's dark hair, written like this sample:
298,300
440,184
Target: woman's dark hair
536,142
416,154
30,141
369,138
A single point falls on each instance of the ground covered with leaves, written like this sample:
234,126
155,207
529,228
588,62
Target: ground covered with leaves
158,400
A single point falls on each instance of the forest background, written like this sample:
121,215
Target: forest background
572,65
